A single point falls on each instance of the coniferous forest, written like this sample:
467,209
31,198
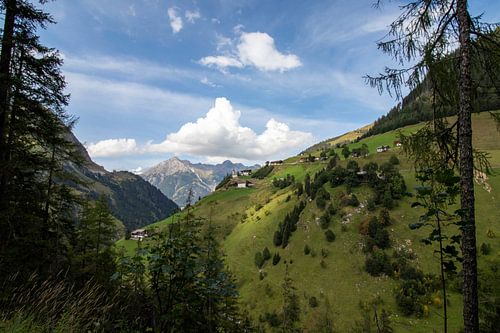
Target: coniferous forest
83,249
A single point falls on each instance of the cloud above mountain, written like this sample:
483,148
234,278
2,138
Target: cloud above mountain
219,134
255,49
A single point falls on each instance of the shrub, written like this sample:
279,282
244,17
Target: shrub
324,252
276,259
277,238
313,302
266,254
259,260
370,205
384,217
324,221
394,160
330,236
377,263
307,250
485,249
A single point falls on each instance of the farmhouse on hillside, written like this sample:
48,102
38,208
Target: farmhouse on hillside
278,162
246,172
397,143
382,149
244,184
138,234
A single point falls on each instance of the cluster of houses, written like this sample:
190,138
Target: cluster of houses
241,183
278,162
382,149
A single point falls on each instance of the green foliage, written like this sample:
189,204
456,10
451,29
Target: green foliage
489,297
329,235
266,255
283,182
307,249
259,259
290,312
485,249
276,259
288,226
394,160
346,152
313,302
263,172
378,263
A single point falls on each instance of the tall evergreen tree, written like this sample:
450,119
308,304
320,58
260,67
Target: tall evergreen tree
34,211
424,36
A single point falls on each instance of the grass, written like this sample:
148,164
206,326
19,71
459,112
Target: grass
247,219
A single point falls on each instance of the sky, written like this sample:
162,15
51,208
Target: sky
210,80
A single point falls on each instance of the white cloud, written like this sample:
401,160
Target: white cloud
112,147
258,49
220,62
255,49
192,16
175,20
218,135
207,82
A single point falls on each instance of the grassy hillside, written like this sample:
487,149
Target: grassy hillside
248,218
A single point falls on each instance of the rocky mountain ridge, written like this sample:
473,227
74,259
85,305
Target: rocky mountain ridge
175,177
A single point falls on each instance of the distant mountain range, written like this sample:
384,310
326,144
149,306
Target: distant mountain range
175,177
132,200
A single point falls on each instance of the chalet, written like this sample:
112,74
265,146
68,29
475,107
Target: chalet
382,149
303,159
246,172
234,174
278,162
138,234
244,184
397,143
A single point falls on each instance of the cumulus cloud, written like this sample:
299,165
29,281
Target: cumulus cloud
192,16
255,49
175,20
218,134
113,148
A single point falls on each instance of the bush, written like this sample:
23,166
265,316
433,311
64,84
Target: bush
394,160
485,249
384,217
377,263
324,221
370,205
324,252
276,259
259,260
330,236
307,250
266,254
313,302
277,238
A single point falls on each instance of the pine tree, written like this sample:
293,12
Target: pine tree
423,36
35,210
291,307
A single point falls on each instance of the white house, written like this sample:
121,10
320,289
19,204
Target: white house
138,234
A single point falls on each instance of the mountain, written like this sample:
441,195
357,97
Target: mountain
175,177
132,200
333,273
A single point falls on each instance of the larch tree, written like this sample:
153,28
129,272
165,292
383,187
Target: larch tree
423,40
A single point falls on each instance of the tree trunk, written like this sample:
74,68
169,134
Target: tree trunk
470,311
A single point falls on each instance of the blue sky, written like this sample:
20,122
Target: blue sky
212,80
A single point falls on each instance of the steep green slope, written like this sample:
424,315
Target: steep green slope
248,218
